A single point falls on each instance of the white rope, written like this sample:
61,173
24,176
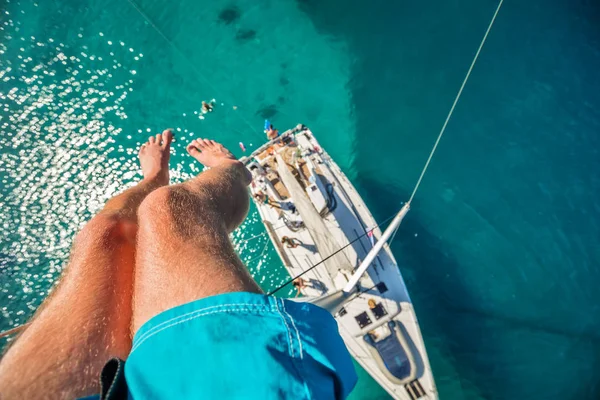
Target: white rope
455,101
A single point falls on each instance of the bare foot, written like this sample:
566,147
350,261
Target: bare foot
154,157
213,154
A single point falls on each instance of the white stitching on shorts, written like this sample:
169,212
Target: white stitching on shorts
287,328
296,367
185,320
296,329
154,328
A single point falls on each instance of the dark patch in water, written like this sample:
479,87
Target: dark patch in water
284,81
229,15
281,100
267,112
284,65
245,34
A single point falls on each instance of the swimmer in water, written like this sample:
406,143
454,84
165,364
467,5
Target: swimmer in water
207,107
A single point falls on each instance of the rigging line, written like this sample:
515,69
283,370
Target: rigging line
170,42
394,234
260,255
255,236
182,54
456,101
327,258
249,239
457,98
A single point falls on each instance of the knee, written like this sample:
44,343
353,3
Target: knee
156,206
176,208
104,231
166,205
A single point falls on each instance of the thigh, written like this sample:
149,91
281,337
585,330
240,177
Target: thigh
184,253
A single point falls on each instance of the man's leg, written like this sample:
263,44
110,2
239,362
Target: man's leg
184,252
87,319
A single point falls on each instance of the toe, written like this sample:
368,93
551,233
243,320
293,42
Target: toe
192,148
142,147
158,138
202,143
167,138
151,140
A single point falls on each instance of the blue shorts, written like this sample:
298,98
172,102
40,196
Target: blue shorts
235,346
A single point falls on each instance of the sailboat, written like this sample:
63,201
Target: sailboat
331,245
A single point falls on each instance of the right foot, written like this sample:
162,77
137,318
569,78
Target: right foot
213,154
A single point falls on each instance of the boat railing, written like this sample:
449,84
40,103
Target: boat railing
270,143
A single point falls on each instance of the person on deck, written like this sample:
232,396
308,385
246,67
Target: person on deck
291,243
299,284
272,133
155,287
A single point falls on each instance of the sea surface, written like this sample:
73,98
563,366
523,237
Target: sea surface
501,249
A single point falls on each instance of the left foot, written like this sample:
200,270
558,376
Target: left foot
154,157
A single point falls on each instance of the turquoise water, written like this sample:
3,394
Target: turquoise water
500,251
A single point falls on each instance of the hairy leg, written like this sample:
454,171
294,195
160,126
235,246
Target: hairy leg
184,251
87,319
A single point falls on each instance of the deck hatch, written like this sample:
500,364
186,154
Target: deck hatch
379,311
381,287
363,319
